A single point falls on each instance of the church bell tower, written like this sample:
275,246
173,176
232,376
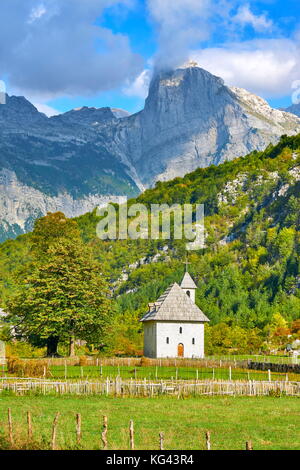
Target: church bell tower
189,287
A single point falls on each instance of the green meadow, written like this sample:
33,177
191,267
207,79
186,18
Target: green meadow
270,423
165,372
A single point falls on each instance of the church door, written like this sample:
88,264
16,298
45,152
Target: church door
180,350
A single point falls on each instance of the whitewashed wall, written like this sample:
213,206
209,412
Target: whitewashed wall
155,339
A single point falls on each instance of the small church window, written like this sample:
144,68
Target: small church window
168,340
188,293
193,341
180,330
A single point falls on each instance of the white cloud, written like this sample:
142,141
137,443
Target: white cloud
140,86
180,24
44,108
246,17
266,67
55,48
36,13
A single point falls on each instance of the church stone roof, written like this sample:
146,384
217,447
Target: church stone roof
187,282
175,305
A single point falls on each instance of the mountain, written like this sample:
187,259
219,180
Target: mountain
294,109
192,119
77,160
53,164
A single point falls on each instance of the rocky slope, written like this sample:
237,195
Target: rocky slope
54,164
74,161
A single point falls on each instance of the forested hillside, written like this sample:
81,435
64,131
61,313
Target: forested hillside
248,274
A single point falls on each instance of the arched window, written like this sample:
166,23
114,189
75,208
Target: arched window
193,341
180,330
167,340
188,293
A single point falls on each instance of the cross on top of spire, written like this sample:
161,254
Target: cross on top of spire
186,263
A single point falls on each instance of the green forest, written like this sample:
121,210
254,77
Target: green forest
247,275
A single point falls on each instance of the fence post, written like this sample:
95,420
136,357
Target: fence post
78,428
54,429
10,427
104,433
207,437
269,375
230,373
249,445
29,426
161,441
66,370
131,435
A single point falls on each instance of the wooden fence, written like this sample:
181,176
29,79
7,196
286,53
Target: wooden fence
225,361
148,388
13,443
142,361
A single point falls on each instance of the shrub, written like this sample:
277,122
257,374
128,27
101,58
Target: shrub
145,362
83,361
28,368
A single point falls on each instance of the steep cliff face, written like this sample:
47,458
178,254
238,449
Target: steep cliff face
71,161
191,119
54,164
21,204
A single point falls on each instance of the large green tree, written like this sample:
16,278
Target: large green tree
62,294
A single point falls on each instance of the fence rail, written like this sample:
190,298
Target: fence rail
147,388
209,361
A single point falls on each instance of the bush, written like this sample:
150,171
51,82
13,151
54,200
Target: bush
83,361
27,368
145,362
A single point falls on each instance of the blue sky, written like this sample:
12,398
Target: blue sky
65,54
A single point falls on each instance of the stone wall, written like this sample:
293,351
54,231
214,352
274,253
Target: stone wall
286,368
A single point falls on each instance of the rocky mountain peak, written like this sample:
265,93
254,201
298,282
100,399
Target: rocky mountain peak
192,88
18,111
192,119
85,116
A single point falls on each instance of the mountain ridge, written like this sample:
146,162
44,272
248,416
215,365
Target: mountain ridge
77,159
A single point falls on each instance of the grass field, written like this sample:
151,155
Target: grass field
163,372
271,423
152,372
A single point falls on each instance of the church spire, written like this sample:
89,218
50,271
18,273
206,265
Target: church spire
188,285
188,282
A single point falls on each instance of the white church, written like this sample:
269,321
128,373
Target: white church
174,325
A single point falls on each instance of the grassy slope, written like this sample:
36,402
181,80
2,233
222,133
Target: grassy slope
271,423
